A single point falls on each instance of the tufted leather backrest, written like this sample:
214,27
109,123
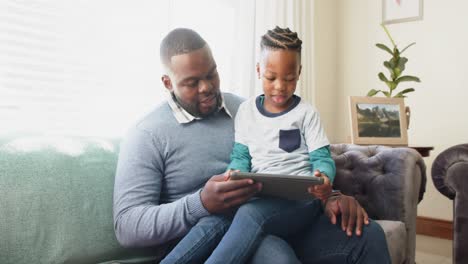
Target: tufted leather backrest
378,176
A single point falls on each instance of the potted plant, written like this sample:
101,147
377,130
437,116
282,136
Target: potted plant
396,66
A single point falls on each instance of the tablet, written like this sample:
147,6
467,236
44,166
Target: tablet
292,187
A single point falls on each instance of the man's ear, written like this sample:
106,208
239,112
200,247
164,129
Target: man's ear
300,68
167,82
258,70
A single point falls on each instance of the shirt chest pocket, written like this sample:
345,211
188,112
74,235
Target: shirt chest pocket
289,140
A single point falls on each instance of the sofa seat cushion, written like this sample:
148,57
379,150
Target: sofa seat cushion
395,233
56,201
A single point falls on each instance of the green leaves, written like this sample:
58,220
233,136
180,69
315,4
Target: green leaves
382,77
405,91
407,78
382,46
373,92
407,47
395,65
401,94
401,63
391,84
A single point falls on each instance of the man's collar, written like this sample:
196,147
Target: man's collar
182,116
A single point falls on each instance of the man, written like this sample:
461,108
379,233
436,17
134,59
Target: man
164,183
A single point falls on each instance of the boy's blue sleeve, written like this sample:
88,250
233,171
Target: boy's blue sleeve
321,160
240,158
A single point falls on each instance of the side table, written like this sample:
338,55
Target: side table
424,151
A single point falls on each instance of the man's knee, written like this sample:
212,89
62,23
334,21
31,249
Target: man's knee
272,250
375,247
374,233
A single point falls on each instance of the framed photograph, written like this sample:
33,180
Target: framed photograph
378,121
397,11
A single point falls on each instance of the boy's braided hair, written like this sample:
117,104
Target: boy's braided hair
281,38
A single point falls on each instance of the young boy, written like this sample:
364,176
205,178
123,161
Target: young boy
274,133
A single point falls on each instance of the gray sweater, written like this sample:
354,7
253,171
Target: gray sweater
162,166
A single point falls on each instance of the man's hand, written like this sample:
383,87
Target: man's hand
322,191
221,194
352,214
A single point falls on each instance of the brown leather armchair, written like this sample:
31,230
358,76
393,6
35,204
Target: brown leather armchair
450,177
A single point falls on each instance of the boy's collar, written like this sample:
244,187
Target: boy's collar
259,103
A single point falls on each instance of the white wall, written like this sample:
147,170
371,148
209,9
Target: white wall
325,63
440,58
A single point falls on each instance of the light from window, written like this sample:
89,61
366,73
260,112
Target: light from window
91,68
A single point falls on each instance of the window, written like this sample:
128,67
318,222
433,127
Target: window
91,68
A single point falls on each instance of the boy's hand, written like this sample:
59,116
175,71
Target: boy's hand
321,191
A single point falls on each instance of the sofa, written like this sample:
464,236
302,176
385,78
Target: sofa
450,177
56,198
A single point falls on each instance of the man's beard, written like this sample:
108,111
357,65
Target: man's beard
193,109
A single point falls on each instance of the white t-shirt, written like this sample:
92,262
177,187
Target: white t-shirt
280,143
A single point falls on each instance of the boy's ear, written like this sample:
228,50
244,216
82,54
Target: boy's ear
258,70
300,69
167,82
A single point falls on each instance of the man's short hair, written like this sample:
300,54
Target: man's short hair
179,41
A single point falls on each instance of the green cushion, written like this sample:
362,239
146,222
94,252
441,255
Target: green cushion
56,201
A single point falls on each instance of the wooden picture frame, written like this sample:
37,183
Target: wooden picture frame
398,11
378,121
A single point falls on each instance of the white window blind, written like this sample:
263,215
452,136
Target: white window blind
92,67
